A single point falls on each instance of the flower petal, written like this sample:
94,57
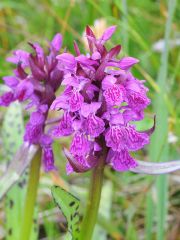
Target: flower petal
6,99
121,161
10,81
37,118
60,102
56,43
114,95
96,56
82,59
137,101
114,51
67,60
90,37
94,125
135,140
75,101
37,72
120,137
76,48
64,128
86,108
80,145
33,133
127,62
132,115
108,82
70,81
107,34
117,118
40,56
19,56
46,140
48,159
24,90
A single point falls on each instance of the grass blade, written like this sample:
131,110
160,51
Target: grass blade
159,144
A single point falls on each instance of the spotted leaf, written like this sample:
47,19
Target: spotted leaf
69,206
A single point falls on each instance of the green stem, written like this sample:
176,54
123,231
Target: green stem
30,200
91,213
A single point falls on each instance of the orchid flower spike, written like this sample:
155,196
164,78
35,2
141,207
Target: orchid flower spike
35,80
100,101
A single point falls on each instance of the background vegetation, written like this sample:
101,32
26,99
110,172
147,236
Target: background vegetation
133,206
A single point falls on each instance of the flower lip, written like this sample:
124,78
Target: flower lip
121,161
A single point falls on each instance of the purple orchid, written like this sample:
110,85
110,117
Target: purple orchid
99,103
36,79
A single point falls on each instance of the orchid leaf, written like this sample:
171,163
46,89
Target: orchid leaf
12,136
155,168
69,206
16,167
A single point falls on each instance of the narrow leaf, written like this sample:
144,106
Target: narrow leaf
12,136
16,168
159,143
155,168
69,206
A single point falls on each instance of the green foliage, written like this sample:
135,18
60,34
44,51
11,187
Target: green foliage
69,206
12,132
159,149
104,211
12,135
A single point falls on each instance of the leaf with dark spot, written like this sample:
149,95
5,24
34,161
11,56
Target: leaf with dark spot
11,203
10,231
69,205
12,136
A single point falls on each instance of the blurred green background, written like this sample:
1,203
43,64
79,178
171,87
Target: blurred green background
133,206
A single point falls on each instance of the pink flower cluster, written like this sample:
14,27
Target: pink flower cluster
100,101
35,80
